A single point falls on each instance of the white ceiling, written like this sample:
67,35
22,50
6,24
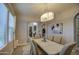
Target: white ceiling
36,10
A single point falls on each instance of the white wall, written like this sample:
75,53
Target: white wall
67,18
22,28
21,31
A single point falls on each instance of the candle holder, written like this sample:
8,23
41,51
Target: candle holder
44,39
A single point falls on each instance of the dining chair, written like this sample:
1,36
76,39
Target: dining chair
67,49
33,50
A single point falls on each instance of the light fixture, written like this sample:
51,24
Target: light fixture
34,23
47,17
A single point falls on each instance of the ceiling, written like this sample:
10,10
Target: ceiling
35,10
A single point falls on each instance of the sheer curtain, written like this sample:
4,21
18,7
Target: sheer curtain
3,23
11,27
7,26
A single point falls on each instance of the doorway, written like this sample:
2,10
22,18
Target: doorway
32,29
76,27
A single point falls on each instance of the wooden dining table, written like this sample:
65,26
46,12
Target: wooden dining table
50,47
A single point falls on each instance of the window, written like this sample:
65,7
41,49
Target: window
7,26
11,26
3,23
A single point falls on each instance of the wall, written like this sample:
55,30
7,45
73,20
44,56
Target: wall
67,18
22,28
21,31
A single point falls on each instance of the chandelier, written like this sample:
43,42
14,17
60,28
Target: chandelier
47,16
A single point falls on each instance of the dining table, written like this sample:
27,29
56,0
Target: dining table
50,47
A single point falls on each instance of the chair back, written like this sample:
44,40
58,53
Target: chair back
67,49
